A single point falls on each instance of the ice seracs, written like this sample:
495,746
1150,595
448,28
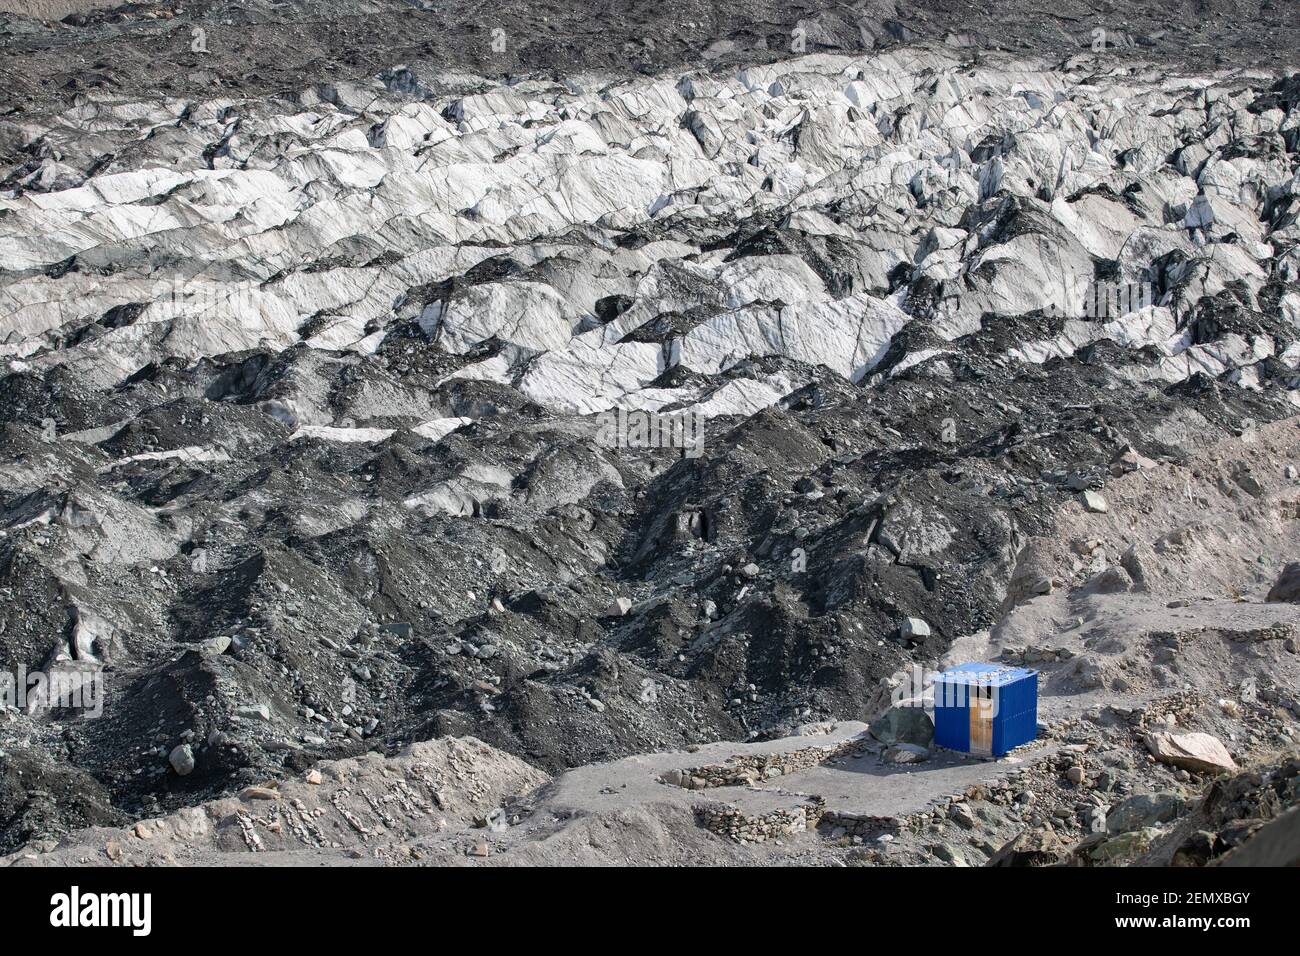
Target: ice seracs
853,195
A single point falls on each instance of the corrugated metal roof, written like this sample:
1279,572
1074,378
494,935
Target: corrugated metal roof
985,674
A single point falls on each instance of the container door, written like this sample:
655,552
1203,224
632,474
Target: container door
981,720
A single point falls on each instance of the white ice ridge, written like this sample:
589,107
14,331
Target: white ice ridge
498,221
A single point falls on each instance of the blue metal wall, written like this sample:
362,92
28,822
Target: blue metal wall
1016,721
951,723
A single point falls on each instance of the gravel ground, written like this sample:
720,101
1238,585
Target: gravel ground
259,48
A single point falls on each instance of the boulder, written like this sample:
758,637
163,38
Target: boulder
1138,564
907,722
216,646
1197,752
1287,586
962,815
906,753
1144,810
1126,846
1114,580
1030,848
1094,502
914,629
182,759
1130,460
618,607
259,793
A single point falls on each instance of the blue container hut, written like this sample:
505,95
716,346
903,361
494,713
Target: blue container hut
986,709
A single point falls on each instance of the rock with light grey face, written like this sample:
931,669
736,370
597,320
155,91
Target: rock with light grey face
182,759
1094,502
904,753
618,607
1197,752
914,629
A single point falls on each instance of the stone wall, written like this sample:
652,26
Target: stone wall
726,820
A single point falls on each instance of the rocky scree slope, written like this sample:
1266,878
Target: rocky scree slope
58,49
299,411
